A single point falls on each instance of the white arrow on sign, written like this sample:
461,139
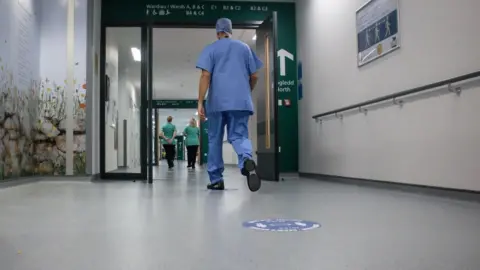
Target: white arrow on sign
261,225
283,54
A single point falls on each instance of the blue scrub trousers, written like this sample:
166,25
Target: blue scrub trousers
237,135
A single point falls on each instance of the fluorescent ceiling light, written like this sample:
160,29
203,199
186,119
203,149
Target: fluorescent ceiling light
137,56
254,37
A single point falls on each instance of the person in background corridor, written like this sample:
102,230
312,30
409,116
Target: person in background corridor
192,133
229,72
169,131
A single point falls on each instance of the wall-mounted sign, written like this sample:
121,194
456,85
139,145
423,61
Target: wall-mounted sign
175,104
190,11
283,55
377,30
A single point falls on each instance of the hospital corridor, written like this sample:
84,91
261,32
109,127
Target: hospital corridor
224,135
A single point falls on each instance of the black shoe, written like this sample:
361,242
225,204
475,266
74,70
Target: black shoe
249,170
189,166
217,186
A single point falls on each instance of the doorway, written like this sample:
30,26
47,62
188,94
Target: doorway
181,119
142,76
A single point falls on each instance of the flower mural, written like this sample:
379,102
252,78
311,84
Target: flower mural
32,127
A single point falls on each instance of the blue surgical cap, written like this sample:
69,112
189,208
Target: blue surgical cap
224,25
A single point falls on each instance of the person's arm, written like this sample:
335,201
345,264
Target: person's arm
203,85
205,63
253,65
174,133
162,135
253,80
165,138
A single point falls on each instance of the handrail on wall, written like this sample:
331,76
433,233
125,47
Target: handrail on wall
400,94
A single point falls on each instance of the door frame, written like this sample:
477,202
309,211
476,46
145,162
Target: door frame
146,106
274,61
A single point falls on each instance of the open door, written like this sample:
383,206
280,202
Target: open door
266,94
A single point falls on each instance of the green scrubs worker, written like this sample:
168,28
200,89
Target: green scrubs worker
192,141
169,131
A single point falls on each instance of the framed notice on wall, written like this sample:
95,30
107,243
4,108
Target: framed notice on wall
377,30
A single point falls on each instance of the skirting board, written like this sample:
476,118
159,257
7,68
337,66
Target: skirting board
466,195
41,178
18,182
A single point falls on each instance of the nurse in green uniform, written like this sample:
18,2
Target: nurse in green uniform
192,141
169,131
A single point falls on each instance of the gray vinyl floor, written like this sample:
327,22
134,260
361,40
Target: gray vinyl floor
176,224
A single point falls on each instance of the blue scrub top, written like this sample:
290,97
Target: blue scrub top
230,63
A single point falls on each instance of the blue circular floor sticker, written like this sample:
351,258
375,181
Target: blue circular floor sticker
281,225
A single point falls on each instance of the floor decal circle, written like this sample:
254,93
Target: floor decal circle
281,225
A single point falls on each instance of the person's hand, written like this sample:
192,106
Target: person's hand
169,140
201,111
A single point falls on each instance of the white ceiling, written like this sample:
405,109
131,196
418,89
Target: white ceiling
181,117
175,51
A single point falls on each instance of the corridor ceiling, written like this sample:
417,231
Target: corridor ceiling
175,51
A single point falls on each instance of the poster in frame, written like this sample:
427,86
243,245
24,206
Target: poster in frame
377,27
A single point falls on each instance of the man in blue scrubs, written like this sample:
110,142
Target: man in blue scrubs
229,72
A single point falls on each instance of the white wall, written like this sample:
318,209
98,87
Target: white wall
432,141
126,97
111,69
133,136
19,40
53,38
123,114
